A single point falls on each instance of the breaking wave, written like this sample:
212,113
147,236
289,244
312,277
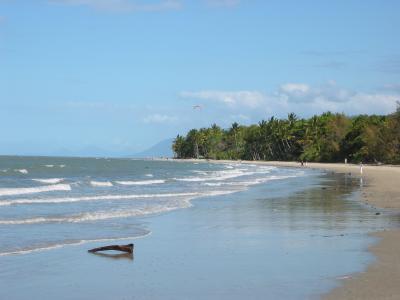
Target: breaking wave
97,216
33,190
217,176
141,182
101,183
49,180
94,198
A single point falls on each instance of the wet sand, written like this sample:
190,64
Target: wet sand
381,184
382,279
381,190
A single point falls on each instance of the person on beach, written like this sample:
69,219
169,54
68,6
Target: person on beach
361,168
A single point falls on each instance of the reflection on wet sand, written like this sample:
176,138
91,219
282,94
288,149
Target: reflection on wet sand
128,256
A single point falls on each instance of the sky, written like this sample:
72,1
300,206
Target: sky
114,77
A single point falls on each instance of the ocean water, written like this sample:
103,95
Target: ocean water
208,231
47,203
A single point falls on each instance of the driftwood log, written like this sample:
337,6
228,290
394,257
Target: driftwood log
124,248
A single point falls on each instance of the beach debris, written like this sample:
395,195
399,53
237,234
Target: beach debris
124,248
377,214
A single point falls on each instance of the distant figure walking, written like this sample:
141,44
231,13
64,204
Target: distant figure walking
345,161
361,168
302,164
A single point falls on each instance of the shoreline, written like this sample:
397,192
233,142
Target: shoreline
245,245
380,190
259,241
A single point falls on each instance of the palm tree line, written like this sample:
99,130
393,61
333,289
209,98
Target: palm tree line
329,137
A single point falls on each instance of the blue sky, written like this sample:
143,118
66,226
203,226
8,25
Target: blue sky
116,76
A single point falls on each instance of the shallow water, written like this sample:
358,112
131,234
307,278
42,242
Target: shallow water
46,203
292,237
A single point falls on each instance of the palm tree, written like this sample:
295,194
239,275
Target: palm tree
235,128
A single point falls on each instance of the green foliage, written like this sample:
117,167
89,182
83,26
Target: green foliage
327,138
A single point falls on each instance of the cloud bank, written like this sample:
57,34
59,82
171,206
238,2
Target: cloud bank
303,99
250,99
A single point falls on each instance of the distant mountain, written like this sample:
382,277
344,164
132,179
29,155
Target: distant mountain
161,149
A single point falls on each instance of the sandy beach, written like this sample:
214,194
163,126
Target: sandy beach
380,189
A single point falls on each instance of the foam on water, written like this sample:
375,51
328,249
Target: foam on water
49,180
201,172
101,183
33,190
219,175
141,182
93,198
251,182
98,215
22,171
213,183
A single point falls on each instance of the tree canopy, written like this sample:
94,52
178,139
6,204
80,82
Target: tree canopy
327,137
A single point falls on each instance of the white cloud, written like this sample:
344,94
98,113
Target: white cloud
302,93
249,99
124,5
159,118
302,99
334,98
295,88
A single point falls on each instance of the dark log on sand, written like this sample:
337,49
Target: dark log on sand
124,248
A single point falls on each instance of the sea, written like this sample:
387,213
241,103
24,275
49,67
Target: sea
47,203
202,230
